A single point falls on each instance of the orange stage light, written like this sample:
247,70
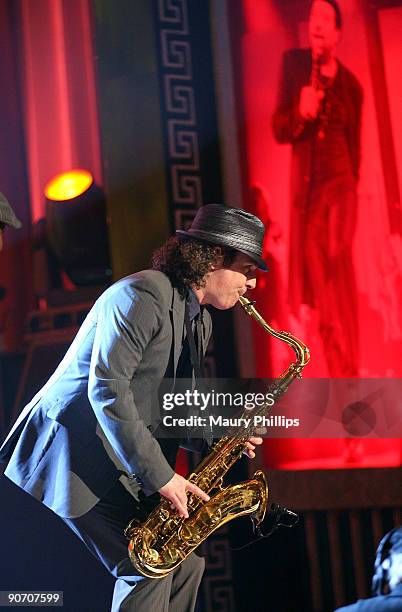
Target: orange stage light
68,185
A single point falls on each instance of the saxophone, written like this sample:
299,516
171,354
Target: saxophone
157,546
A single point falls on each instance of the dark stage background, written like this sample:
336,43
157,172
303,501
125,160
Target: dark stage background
169,104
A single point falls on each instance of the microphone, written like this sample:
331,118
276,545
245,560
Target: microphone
283,516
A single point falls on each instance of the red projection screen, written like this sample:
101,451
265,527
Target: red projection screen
328,187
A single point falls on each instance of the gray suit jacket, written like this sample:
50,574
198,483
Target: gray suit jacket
89,424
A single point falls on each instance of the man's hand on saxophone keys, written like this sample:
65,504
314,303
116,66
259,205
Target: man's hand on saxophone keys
176,492
176,489
251,444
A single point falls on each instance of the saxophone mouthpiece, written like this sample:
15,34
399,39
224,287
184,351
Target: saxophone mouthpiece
244,300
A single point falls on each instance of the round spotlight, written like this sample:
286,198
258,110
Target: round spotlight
68,185
76,229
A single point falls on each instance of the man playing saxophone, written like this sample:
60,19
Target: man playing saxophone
84,445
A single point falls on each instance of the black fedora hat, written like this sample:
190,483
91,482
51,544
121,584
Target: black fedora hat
230,227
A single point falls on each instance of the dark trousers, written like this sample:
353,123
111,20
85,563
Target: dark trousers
328,240
101,530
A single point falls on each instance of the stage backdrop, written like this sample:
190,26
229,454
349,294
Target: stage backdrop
371,48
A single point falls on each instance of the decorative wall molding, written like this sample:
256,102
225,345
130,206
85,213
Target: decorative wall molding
179,111
179,50
217,583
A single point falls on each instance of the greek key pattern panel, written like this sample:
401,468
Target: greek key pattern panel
179,111
185,195
217,585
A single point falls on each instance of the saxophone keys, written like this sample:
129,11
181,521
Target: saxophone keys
190,533
152,555
219,484
169,526
133,524
211,515
163,514
170,555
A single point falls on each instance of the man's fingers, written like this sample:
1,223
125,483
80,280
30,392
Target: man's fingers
181,506
250,446
255,440
197,491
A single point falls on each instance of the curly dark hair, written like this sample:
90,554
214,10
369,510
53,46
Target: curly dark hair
186,261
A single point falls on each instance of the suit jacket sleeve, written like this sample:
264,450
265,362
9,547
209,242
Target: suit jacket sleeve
127,322
288,125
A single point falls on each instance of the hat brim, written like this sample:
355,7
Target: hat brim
221,242
16,223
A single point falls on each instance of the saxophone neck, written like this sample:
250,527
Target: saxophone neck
300,349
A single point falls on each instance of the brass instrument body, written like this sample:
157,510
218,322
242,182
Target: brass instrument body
160,544
165,539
